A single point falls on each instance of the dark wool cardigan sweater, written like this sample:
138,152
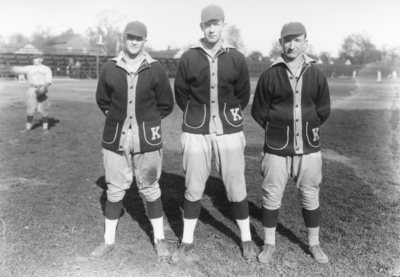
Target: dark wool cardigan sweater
193,90
148,90
274,109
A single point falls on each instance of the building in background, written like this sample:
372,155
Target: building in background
20,48
71,44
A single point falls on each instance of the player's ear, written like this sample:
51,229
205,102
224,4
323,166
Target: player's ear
280,41
202,26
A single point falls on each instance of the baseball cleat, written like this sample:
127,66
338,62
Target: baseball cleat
101,251
318,255
183,250
162,250
248,250
266,254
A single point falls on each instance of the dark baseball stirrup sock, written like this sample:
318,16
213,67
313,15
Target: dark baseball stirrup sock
113,210
45,119
241,209
312,218
29,118
191,210
270,218
154,208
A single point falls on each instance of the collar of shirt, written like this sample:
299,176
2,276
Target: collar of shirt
122,62
306,60
224,47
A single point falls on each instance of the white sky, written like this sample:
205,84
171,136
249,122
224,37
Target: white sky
175,23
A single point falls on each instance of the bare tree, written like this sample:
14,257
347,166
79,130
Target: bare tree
41,37
17,38
107,28
234,38
359,49
325,57
276,50
391,55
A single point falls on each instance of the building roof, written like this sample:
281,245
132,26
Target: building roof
21,47
63,39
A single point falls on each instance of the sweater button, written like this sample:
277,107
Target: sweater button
297,120
213,74
297,106
131,87
130,102
213,101
297,134
123,133
130,117
297,149
212,87
214,116
297,91
120,146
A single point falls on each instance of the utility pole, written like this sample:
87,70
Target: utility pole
99,44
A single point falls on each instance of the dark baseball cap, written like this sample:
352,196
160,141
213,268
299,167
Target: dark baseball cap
211,12
136,28
293,28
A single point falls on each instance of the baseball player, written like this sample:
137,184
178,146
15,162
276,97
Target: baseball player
39,79
212,88
291,102
134,94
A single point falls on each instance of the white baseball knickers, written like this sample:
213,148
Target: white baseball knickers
119,168
306,171
229,160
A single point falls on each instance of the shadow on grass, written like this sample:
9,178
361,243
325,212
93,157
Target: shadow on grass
256,213
173,189
52,123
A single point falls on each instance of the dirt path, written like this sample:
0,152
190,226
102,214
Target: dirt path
372,95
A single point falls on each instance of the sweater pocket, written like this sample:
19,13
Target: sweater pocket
233,114
312,132
276,137
195,115
152,132
110,132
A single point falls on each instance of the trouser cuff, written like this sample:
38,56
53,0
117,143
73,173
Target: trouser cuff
113,210
270,218
312,218
191,209
241,209
155,209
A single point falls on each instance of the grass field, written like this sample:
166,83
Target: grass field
52,194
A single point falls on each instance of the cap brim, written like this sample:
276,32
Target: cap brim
206,19
292,34
135,33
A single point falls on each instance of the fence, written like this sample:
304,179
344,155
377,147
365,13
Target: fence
66,65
